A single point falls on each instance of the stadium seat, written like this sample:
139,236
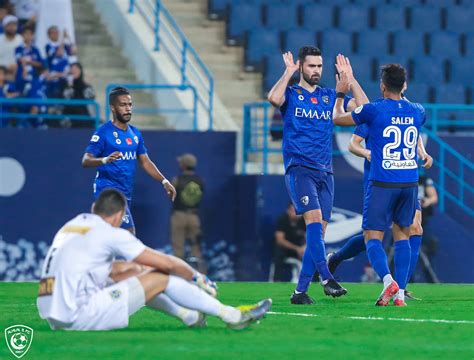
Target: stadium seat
353,18
273,69
372,90
390,59
217,9
418,92
460,71
242,17
390,18
372,42
425,18
409,43
450,94
335,41
370,2
363,68
275,13
444,43
260,43
469,45
459,19
296,38
441,3
429,70
408,3
317,17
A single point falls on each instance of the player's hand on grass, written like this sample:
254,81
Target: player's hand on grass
342,83
206,284
343,65
113,157
428,161
170,190
291,66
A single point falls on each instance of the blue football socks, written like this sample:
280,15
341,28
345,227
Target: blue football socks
353,247
377,257
402,262
415,244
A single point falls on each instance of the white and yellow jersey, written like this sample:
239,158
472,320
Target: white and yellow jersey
79,263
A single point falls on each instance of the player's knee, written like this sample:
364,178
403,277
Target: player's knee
313,216
416,229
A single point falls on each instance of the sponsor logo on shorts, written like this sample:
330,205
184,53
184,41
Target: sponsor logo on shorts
115,294
19,339
325,99
95,138
305,200
399,164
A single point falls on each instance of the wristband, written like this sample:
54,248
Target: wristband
340,95
104,160
165,181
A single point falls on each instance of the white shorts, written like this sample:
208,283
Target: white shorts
108,308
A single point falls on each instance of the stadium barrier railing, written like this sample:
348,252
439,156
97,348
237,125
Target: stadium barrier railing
16,109
169,36
258,126
158,110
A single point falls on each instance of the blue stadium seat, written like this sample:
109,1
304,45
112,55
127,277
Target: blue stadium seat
441,3
372,42
336,41
370,2
372,90
242,17
469,45
353,18
296,38
390,59
274,67
450,94
317,17
444,43
407,3
390,18
409,43
363,68
260,43
281,16
429,70
418,92
460,19
461,71
425,18
217,9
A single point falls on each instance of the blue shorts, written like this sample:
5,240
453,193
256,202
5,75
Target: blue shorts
310,189
382,206
127,219
418,205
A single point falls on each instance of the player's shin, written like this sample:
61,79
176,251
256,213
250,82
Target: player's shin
415,244
164,304
315,246
402,265
378,260
307,272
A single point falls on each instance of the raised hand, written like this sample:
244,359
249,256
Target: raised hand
291,66
343,65
342,83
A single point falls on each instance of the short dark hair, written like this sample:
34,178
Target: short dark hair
308,51
28,28
116,92
110,202
51,28
393,77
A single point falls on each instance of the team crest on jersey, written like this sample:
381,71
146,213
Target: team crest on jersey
300,97
115,134
305,200
118,141
325,99
129,141
298,91
95,138
136,139
126,219
115,294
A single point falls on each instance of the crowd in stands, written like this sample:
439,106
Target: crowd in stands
29,72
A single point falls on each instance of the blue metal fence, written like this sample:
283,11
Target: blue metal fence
22,112
258,124
192,111
169,36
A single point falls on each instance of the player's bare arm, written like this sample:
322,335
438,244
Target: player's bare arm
340,117
89,160
423,155
343,65
276,96
355,147
151,169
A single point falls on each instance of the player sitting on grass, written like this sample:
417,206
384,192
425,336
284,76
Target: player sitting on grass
74,293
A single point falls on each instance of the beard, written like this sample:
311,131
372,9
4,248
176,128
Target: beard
311,80
124,118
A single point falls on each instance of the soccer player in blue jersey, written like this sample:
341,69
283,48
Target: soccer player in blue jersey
391,195
356,244
307,111
115,149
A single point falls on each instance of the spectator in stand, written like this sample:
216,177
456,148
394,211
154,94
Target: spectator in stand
35,88
53,44
9,41
28,58
78,88
7,90
26,11
58,72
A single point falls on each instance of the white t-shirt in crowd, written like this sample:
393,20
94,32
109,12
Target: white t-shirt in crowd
7,49
79,263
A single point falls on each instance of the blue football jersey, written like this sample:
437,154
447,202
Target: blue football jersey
119,174
394,127
33,53
308,125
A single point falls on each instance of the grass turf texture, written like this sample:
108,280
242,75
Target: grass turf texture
330,335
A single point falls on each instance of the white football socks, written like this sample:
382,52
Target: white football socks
163,303
400,295
190,296
387,280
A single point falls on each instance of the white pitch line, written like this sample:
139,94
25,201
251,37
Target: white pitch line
436,321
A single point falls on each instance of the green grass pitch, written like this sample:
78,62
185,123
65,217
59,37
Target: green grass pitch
346,328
